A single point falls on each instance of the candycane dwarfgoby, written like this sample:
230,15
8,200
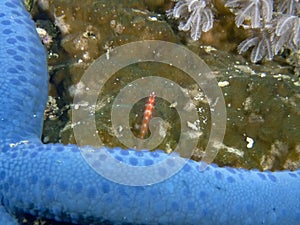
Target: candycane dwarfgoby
148,114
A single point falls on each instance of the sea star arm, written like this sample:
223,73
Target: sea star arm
5,218
24,77
55,181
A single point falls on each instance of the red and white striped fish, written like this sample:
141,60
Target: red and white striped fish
148,114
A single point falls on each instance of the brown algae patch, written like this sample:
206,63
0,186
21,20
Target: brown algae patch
262,100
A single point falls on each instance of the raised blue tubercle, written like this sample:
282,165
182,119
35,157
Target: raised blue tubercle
54,181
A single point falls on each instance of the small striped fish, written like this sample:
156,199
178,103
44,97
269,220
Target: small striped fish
148,114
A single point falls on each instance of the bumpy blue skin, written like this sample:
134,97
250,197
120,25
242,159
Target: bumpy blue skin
54,181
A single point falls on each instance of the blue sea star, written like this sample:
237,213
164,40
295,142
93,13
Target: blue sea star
54,181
